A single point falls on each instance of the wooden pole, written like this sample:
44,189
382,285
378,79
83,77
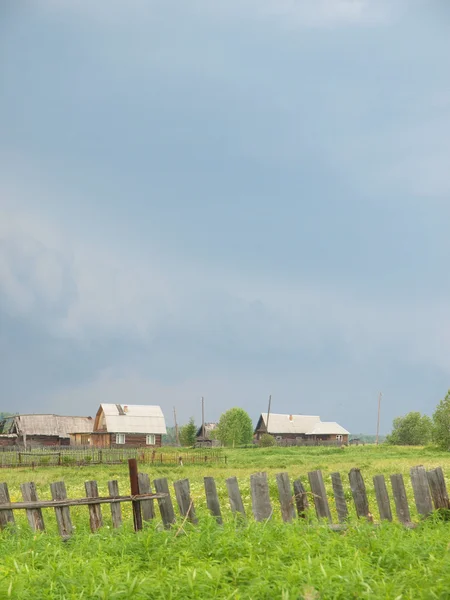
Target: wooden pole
134,485
268,413
177,434
378,419
203,418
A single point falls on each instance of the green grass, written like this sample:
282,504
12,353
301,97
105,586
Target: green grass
253,561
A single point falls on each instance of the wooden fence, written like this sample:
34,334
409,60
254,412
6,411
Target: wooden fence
429,489
70,456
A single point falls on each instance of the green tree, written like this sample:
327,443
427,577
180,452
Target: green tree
412,429
235,428
441,423
188,433
267,440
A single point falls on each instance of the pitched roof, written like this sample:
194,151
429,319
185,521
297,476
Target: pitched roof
208,428
133,418
301,424
51,425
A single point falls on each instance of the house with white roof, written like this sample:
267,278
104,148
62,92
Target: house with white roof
300,429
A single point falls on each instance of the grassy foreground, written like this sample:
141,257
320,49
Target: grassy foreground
254,561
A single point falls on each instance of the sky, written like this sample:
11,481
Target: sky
225,199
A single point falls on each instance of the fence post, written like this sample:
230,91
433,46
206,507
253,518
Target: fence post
95,511
286,499
358,488
421,491
62,513
134,485
259,487
147,508
212,498
34,515
6,516
301,498
400,498
339,497
116,510
381,493
234,495
184,500
165,504
438,488
319,495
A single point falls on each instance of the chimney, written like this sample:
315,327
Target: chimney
290,418
125,409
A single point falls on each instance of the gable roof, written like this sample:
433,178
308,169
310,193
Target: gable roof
133,418
208,428
300,424
51,425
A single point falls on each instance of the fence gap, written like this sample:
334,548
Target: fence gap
62,513
285,495
339,497
381,493
319,495
95,511
212,498
116,510
358,488
259,489
421,491
234,495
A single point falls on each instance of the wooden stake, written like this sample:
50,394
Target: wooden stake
134,485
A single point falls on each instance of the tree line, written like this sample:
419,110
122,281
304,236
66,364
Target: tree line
415,429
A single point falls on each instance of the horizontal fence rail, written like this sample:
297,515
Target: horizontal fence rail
294,500
72,456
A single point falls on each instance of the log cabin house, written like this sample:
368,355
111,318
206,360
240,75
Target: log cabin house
35,431
206,440
301,430
118,425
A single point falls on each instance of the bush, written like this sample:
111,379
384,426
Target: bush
413,429
267,440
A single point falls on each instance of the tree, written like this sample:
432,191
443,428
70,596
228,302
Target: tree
235,428
413,429
441,423
188,433
267,440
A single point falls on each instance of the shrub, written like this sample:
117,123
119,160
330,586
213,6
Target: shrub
267,440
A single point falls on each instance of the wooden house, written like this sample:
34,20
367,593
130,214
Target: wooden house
32,431
205,438
136,425
300,430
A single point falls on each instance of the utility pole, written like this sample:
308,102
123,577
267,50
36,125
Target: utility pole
378,420
268,414
177,435
203,418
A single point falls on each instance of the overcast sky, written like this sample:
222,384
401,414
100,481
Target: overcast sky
230,199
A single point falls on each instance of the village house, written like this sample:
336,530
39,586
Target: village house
118,425
206,439
33,431
300,430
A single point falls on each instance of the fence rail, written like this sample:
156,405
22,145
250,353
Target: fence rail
429,490
70,456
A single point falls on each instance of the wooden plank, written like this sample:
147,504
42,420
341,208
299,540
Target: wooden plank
381,493
259,490
134,488
339,497
234,495
212,498
6,515
116,510
421,491
286,498
95,511
438,489
319,495
62,513
184,500
400,498
301,499
147,507
77,502
358,488
34,515
165,502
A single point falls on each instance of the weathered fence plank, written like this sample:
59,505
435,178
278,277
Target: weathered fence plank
319,495
116,510
95,511
339,497
147,507
234,495
259,490
421,491
400,498
34,515
184,500
62,513
134,487
165,503
6,516
438,488
382,496
358,488
301,498
286,498
212,498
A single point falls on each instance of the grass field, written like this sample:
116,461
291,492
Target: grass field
258,560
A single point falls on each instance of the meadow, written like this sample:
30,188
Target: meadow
242,561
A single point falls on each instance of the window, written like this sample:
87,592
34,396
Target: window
150,439
120,438
339,438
